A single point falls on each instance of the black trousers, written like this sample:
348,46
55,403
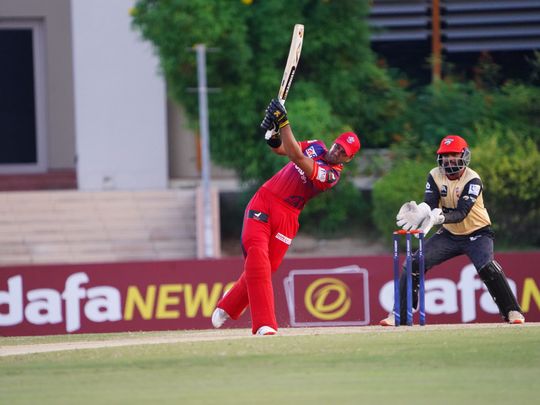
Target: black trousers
443,246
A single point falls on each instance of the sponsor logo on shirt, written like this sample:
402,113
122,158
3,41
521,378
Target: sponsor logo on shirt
283,238
428,186
444,191
311,152
302,174
474,189
321,174
295,200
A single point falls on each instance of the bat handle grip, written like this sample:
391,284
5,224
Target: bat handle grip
269,133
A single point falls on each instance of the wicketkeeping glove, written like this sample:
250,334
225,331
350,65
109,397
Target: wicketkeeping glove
435,217
411,215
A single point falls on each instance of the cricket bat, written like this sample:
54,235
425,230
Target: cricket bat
290,68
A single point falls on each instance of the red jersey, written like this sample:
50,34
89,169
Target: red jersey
293,186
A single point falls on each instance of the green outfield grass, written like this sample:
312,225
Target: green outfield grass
457,366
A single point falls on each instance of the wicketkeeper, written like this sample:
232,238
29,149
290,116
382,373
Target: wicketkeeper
271,217
453,198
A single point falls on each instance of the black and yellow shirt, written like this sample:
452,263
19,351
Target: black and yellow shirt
460,200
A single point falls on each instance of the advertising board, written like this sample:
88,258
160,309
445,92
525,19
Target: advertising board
172,295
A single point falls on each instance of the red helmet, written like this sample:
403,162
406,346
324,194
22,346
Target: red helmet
350,142
452,144
451,166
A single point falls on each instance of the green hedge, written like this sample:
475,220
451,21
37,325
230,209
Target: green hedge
341,86
338,83
405,182
341,211
509,165
516,106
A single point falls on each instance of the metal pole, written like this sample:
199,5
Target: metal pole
205,150
435,41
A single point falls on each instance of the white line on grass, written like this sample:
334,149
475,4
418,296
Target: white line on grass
226,334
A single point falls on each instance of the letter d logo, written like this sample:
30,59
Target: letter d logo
327,298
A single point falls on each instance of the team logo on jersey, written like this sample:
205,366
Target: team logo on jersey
458,191
311,152
474,189
444,191
331,177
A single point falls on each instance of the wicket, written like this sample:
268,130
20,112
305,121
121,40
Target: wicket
408,271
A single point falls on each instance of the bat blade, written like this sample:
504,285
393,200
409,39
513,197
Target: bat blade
292,61
295,50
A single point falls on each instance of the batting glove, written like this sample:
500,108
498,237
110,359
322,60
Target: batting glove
278,112
268,123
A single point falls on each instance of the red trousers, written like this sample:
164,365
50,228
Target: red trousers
269,227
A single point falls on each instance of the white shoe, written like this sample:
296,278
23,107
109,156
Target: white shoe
266,331
515,317
219,317
388,321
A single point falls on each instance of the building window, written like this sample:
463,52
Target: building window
22,123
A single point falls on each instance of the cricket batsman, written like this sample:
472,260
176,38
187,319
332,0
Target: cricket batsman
271,217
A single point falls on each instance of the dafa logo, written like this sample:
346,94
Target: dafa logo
82,303
328,297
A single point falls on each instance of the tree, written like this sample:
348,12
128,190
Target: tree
338,85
